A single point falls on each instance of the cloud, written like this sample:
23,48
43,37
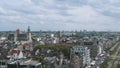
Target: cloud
60,14
106,7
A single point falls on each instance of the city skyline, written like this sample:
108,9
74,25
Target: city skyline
60,15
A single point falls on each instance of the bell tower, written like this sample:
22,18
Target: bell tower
29,34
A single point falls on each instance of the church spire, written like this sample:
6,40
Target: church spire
29,34
28,29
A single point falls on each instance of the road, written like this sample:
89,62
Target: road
113,63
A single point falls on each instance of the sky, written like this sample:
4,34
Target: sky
92,15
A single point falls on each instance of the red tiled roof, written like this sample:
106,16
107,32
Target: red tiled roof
14,52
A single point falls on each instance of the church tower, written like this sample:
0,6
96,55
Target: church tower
29,34
15,37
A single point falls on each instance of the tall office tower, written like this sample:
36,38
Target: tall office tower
29,34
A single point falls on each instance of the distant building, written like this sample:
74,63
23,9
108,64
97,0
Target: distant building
18,31
11,37
22,37
29,36
19,36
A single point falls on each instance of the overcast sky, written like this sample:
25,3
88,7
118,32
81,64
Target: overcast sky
100,15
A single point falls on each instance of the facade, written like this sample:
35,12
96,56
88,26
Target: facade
11,37
24,64
93,46
83,53
22,37
29,34
75,61
19,36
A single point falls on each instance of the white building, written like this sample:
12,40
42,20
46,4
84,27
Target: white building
83,53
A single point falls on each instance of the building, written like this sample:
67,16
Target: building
93,46
83,53
75,61
11,37
19,36
18,31
22,37
29,36
24,64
